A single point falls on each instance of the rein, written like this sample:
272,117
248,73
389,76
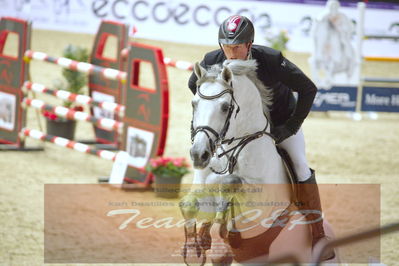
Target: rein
244,140
220,137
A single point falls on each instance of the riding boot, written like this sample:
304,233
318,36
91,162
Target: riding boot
309,202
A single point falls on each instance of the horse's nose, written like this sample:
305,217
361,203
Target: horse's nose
205,156
200,158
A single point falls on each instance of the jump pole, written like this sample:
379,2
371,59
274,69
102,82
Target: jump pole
108,73
179,64
66,143
70,114
77,98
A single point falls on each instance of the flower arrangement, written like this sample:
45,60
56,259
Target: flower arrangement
277,39
168,167
73,81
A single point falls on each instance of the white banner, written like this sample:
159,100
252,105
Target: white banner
196,21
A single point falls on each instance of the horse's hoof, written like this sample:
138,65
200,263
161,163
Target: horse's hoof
328,254
228,260
220,253
192,253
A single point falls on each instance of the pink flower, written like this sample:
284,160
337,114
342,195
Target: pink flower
178,162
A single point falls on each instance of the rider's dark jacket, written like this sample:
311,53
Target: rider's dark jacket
275,71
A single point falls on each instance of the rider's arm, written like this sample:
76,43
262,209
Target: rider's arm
289,74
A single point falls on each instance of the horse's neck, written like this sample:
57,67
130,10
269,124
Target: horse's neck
250,118
259,161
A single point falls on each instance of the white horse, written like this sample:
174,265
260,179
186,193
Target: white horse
232,145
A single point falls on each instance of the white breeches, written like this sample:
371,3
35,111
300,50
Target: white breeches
295,146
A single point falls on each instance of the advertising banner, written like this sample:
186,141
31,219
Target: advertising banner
197,21
335,99
380,99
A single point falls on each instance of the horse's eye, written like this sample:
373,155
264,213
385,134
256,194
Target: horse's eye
225,107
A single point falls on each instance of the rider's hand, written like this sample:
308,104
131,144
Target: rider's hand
291,127
280,133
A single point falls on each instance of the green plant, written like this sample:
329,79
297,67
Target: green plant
277,40
74,81
168,167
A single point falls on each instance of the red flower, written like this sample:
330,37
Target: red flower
78,108
50,115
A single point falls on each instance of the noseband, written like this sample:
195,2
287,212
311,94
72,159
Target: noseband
220,137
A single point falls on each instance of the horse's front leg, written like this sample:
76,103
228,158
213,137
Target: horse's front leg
197,241
220,251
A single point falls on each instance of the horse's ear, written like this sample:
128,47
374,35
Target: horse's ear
227,75
199,70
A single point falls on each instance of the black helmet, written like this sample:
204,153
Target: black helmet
236,30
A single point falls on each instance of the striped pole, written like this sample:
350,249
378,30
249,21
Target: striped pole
107,73
66,143
68,113
178,64
184,65
77,98
381,59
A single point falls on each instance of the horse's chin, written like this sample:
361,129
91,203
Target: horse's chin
200,165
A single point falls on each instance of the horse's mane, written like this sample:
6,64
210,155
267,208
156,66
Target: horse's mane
241,67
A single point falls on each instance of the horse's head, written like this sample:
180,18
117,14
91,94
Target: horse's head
213,105
221,93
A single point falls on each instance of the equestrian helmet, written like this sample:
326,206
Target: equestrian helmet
235,30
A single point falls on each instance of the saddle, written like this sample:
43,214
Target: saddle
289,168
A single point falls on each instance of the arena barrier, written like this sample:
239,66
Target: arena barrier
346,240
375,98
142,132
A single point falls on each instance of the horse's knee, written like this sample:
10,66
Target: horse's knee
189,206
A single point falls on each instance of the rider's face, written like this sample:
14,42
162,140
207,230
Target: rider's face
236,51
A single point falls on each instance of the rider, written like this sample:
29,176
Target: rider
236,36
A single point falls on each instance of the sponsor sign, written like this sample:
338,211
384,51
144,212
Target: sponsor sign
335,99
197,21
380,99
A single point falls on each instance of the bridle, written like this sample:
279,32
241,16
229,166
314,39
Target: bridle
220,137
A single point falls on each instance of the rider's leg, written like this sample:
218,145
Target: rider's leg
295,146
308,193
